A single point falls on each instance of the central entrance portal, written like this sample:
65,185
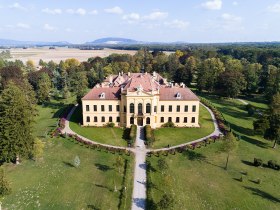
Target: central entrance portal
140,121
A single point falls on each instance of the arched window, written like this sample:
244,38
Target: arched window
110,119
131,108
148,108
148,121
88,119
140,108
132,120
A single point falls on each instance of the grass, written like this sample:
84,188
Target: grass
53,182
197,179
111,136
176,136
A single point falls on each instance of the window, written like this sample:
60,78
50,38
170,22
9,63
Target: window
178,108
118,119
185,119
102,108
170,108
110,108
118,108
88,119
162,108
87,108
95,119
131,108
148,121
162,119
194,108
177,119
132,120
169,119
110,119
103,119
155,108
148,108
186,108
193,119
95,108
140,109
124,108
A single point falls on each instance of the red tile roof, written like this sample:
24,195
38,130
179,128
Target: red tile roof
169,94
111,93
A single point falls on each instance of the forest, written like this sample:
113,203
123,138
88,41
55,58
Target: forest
228,71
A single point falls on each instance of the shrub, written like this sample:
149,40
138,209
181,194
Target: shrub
5,188
110,125
168,125
149,136
132,134
76,161
258,181
257,162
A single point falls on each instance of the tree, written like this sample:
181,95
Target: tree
261,125
273,132
208,73
231,83
17,111
273,82
79,84
44,88
5,188
252,73
166,202
229,145
9,73
38,149
275,104
76,161
30,65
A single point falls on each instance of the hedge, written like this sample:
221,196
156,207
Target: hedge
149,135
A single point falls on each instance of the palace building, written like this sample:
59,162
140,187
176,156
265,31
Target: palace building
141,99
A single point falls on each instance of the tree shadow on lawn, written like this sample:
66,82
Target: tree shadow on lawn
68,164
104,187
248,163
192,156
91,206
255,142
256,191
102,167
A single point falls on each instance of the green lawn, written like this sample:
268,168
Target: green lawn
175,136
197,179
111,136
53,182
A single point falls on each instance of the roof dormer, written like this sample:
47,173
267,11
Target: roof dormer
102,95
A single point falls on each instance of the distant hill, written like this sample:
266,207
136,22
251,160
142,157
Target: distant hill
113,41
12,43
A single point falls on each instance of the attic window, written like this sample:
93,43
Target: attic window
178,96
102,95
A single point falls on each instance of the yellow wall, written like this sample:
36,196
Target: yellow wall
136,98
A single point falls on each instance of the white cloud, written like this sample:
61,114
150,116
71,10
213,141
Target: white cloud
179,24
156,16
212,5
68,29
17,6
52,11
132,17
93,12
23,26
48,27
79,11
231,18
235,3
115,10
275,8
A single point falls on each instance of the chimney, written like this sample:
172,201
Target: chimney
111,79
128,74
154,74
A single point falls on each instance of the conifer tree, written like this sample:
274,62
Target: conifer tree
17,110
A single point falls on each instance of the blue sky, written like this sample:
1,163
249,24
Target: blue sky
146,20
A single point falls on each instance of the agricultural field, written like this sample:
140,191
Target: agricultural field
60,53
197,179
54,183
